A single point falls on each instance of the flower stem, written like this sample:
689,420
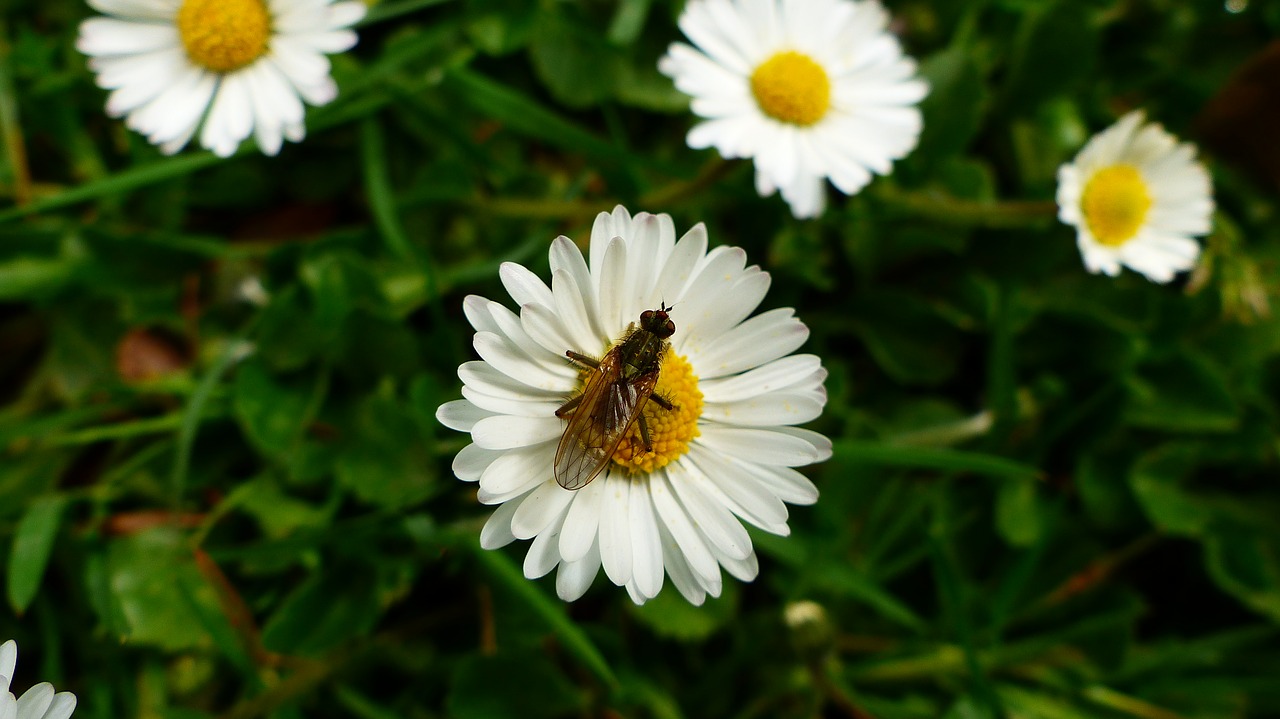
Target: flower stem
951,210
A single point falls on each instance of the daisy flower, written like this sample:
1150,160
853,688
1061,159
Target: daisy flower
1136,197
722,451
38,702
227,68
811,89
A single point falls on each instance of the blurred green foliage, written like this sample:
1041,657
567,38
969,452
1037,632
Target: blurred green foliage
224,493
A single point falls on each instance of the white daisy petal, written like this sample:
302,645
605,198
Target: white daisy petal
497,529
539,509
761,339
460,415
540,375
574,578
1137,198
483,377
511,432
471,461
682,575
238,74
711,517
35,701
676,520
672,508
516,471
758,445
137,9
646,561
777,375
544,551
750,500
8,663
582,522
524,286
38,702
616,554
64,703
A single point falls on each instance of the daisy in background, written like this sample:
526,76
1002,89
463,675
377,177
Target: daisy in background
723,450
225,68
1136,197
811,89
38,702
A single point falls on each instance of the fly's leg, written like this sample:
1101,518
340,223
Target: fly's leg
568,407
585,361
644,433
661,402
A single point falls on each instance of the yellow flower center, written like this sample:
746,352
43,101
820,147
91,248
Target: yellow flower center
670,430
792,87
1115,204
224,35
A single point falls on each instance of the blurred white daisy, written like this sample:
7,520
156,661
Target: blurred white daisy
228,68
1136,197
38,702
724,453
811,89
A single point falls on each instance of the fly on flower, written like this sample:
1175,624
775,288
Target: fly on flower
613,399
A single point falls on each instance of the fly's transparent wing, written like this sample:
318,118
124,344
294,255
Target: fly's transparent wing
608,408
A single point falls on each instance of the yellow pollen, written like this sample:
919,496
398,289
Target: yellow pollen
670,430
791,87
224,35
1115,204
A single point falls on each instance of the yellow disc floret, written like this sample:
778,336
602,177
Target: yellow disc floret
1115,204
670,430
224,35
792,87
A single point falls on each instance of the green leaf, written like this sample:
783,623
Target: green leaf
32,544
941,459
848,582
907,338
511,685
1156,480
27,277
278,513
573,60
1248,566
524,115
383,461
154,583
1018,515
272,411
575,639
671,615
955,106
1054,52
1184,393
1101,480
499,27
331,607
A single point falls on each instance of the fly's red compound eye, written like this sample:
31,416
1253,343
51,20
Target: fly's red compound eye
646,316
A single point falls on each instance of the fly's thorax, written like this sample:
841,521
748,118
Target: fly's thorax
641,353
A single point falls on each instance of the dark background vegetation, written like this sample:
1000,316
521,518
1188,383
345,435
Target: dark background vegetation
1053,496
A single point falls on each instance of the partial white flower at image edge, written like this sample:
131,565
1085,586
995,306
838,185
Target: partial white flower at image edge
224,68
810,91
38,702
725,453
